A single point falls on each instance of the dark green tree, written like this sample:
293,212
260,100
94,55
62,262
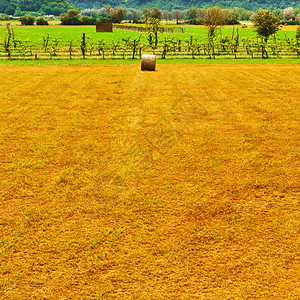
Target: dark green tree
192,13
70,18
27,20
41,21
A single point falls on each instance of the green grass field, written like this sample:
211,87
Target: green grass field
64,42
35,34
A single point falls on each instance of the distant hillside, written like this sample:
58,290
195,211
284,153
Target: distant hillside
50,7
186,4
56,7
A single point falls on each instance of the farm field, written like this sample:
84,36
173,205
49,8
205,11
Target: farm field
121,184
82,42
35,34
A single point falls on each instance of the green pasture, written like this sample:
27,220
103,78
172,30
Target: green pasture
35,34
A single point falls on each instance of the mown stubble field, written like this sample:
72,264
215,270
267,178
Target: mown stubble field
177,184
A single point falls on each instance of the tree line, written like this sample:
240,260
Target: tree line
192,15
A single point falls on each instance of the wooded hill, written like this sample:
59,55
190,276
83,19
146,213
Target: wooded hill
186,4
49,7
56,7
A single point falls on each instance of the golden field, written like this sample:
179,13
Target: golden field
177,184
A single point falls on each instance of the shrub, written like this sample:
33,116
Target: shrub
72,17
41,21
289,22
232,22
27,20
4,17
104,20
87,21
197,21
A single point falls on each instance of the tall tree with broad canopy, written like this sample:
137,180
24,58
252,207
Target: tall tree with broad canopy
265,23
156,13
214,18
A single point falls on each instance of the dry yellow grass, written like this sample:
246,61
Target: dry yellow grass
176,184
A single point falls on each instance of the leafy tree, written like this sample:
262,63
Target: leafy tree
265,23
214,18
278,13
146,14
288,13
73,18
73,13
156,13
135,16
192,13
117,14
95,13
232,16
245,15
107,9
70,18
167,15
27,20
177,15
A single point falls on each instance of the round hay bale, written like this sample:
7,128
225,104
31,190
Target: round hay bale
148,62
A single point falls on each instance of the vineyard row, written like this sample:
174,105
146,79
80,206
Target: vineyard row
86,48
